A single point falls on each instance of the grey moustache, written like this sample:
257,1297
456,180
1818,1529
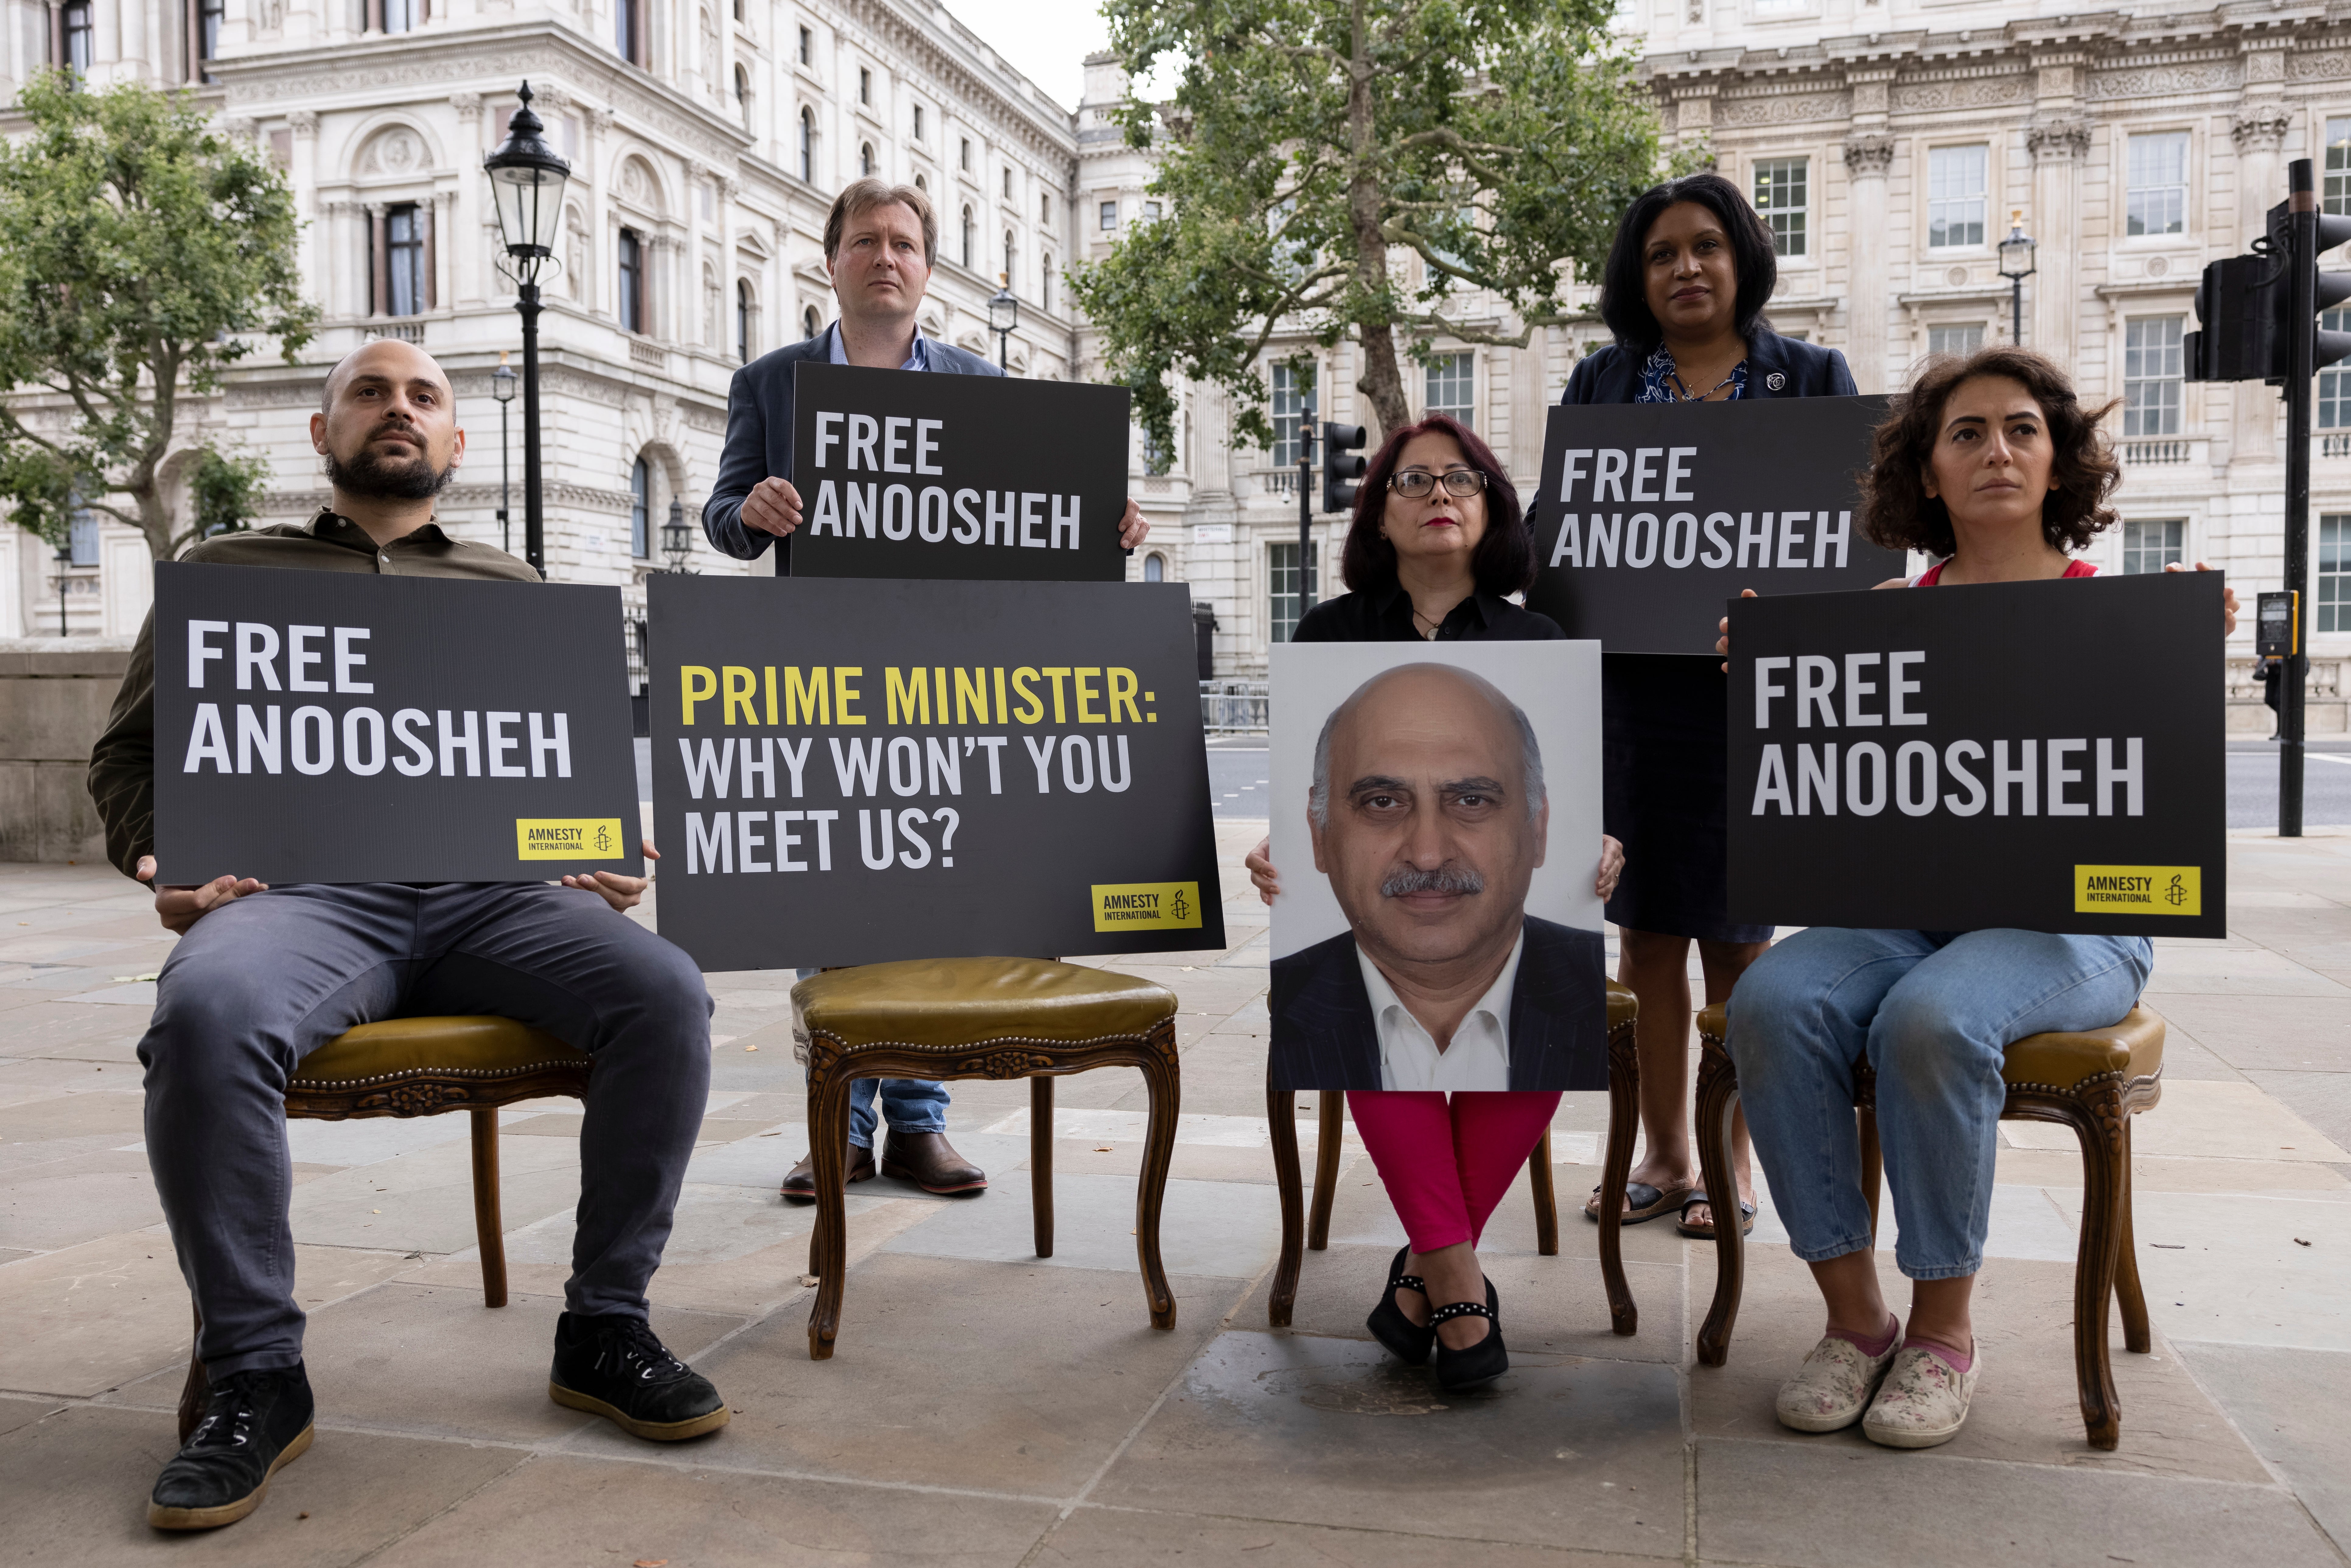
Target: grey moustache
1444,879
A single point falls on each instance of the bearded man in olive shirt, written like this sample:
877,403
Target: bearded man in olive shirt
263,975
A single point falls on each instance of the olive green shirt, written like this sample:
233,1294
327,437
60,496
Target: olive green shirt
122,763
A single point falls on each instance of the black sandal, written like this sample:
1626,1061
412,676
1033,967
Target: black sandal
1706,1233
1407,1341
1481,1363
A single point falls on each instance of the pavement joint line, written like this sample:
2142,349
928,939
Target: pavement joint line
2069,1469
1407,1534
2284,1484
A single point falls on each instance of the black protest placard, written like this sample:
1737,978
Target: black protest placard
342,727
2044,756
985,478
850,772
1650,514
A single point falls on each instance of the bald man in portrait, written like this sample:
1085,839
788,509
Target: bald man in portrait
1429,816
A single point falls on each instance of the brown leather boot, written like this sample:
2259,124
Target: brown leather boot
801,1186
930,1162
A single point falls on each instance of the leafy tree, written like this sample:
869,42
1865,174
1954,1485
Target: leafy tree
225,490
141,254
1314,145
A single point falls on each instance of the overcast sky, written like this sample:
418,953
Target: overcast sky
1045,40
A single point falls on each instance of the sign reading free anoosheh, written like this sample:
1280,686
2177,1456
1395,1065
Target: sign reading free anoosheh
342,727
854,772
2045,755
908,474
1650,514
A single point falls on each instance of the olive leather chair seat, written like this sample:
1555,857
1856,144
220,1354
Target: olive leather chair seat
2094,1082
983,1017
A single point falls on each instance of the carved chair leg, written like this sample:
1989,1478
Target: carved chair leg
1164,1087
1539,1177
489,1227
1040,1161
2097,1119
1329,1132
1717,1093
1873,1164
1615,1171
192,1393
829,1246
1282,1123
2135,1335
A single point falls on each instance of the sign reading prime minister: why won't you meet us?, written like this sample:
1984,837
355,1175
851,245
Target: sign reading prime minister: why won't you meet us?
854,772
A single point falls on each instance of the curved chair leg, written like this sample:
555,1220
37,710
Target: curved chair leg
2136,1335
1281,1123
1546,1195
2098,1122
1161,1081
1718,1093
1040,1161
489,1229
192,1392
1615,1171
1873,1165
1329,1133
829,1246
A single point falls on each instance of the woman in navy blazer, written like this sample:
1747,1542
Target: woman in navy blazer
1683,292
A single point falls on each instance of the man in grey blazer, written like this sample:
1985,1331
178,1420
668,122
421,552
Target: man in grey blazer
881,242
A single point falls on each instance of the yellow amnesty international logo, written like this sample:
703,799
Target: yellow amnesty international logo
568,838
1147,906
2138,890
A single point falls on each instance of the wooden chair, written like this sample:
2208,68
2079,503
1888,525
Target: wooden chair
1624,1119
2093,1081
983,1017
423,1067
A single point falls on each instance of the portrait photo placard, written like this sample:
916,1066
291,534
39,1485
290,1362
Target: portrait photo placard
904,474
1435,816
342,727
856,772
2043,756
1650,514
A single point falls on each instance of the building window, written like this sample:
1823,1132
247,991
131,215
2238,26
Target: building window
922,184
1045,280
963,158
1453,387
1281,576
398,16
640,521
210,14
2151,375
918,123
1956,196
1008,258
865,86
808,47
808,145
1154,568
1782,194
1960,340
743,95
74,21
1157,455
2334,573
2151,546
865,159
403,260
629,30
1045,211
1292,385
1151,211
966,237
2338,189
81,539
811,322
1008,183
738,10
1109,217
2157,194
2335,380
633,282
742,320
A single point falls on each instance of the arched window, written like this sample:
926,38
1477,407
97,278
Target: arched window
641,484
922,184
1154,568
743,94
811,322
808,145
966,237
743,320
865,159
632,292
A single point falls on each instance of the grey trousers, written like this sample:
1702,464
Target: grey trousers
259,984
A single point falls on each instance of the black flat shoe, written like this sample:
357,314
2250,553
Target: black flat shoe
255,1425
617,1368
1409,1341
1482,1362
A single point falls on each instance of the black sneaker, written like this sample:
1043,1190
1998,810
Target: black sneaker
615,1367
255,1424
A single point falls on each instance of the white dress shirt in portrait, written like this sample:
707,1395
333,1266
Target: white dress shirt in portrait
1478,1060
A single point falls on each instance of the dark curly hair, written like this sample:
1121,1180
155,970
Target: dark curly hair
1504,561
1898,513
1624,276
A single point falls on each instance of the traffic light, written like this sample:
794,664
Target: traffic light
2245,304
1343,463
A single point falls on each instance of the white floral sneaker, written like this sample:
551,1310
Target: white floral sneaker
1832,1390
1923,1401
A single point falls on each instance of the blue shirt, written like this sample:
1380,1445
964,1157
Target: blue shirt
919,360
1658,374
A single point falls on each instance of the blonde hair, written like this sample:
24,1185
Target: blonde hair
864,195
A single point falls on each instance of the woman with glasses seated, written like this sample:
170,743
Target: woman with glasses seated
1437,543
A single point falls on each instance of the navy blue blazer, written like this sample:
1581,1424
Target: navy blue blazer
1325,1038
1613,374
759,437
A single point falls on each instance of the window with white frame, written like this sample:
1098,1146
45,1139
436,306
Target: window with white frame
1151,211
2155,197
962,154
1957,195
2151,375
1782,194
2153,545
1954,338
808,47
1281,581
918,123
82,538
2335,194
1453,387
2334,411
641,538
1109,217
1292,385
2333,603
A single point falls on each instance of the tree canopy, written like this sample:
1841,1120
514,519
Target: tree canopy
141,254
1314,146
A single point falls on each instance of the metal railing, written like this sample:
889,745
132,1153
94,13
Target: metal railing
1233,707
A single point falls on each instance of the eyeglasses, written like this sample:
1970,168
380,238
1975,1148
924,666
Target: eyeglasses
1412,486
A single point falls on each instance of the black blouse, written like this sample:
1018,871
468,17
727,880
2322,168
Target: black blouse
1384,615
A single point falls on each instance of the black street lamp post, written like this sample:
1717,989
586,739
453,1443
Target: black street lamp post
2016,266
526,180
1003,317
502,387
64,580
677,539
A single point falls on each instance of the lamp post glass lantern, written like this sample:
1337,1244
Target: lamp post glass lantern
1003,318
2016,266
527,182
677,539
502,387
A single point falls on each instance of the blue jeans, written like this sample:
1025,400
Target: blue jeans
1931,1011
913,1105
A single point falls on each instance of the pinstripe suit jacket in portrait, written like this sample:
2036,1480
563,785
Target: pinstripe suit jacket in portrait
1324,1035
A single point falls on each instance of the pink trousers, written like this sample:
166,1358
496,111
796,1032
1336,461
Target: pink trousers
1445,1166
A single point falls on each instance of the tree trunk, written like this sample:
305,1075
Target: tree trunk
144,485
1381,384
